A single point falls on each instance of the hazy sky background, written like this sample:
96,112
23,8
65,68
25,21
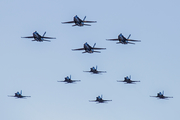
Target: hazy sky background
35,67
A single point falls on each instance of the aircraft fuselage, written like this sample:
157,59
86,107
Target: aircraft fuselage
122,39
78,21
88,48
37,37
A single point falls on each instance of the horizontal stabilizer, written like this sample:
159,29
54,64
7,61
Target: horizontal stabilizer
47,40
131,43
86,24
97,51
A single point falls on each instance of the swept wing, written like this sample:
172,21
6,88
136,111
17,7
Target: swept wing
78,49
68,22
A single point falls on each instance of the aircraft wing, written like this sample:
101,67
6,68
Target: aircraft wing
28,37
86,71
98,49
120,80
49,37
134,40
106,100
92,101
78,49
26,96
135,81
113,39
89,21
101,71
11,96
75,80
60,81
68,22
153,96
167,97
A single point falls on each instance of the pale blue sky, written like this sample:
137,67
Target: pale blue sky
35,67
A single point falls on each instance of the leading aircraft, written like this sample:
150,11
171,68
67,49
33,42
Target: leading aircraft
18,95
89,49
79,22
99,100
68,80
95,71
161,96
124,40
38,37
127,80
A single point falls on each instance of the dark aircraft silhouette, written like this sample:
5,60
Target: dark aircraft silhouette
38,37
161,96
89,49
127,80
99,100
79,22
94,70
18,95
124,40
68,80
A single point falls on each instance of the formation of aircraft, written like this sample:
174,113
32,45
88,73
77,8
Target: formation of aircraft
89,49
161,96
18,95
121,39
95,71
68,80
38,37
127,80
79,22
99,100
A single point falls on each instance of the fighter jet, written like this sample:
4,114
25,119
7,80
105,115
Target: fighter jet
89,49
68,80
99,100
38,37
127,80
18,95
94,70
124,40
161,96
79,22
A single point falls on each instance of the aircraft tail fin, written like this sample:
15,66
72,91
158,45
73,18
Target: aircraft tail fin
94,45
21,92
129,36
84,18
44,34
